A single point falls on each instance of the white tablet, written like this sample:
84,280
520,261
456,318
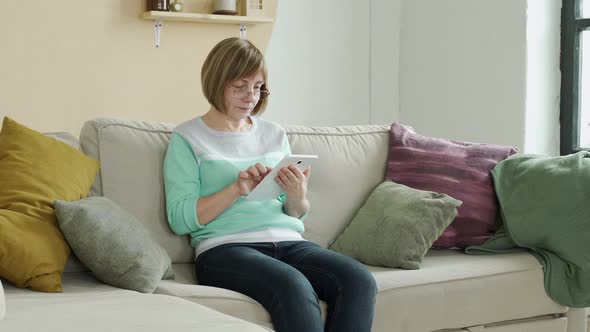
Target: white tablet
268,188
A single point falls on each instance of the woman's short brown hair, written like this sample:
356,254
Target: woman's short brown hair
230,60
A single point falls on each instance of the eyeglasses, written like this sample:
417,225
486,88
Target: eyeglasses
242,91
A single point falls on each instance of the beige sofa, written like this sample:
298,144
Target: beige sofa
451,292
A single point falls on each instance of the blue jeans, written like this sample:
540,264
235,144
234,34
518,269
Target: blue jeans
289,278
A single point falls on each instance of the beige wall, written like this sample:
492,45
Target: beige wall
63,62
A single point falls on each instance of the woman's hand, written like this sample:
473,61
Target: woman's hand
251,177
293,181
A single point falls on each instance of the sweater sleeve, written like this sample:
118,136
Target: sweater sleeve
182,186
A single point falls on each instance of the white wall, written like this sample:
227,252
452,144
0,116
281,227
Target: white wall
462,69
385,51
475,70
543,77
319,60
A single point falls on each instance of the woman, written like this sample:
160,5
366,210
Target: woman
255,248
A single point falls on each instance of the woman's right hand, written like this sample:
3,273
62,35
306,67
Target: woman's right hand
251,177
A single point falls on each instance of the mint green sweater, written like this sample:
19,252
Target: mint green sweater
201,161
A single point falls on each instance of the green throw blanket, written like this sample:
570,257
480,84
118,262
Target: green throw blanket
545,205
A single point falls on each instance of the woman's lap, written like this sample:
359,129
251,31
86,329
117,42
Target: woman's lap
288,278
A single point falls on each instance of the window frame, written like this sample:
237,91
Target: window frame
572,26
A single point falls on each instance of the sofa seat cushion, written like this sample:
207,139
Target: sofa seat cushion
223,300
88,305
455,290
74,283
539,324
452,289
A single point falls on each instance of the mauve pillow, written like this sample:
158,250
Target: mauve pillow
458,169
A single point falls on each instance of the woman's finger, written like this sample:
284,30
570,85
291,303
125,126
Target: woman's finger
292,177
283,176
261,169
253,171
297,172
280,182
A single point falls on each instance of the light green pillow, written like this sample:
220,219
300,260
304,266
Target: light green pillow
396,226
113,244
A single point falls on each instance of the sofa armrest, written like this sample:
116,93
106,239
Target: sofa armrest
2,302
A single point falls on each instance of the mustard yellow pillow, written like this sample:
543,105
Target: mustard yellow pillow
36,170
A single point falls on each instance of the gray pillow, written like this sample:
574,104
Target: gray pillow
113,244
396,226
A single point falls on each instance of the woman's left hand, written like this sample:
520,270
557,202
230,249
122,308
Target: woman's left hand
293,181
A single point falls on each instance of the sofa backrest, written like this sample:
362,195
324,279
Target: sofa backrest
73,264
131,154
351,164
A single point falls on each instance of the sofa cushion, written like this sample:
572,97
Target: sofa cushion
113,244
451,289
89,305
456,290
134,180
539,324
223,300
396,226
351,164
64,137
80,283
35,170
184,285
459,169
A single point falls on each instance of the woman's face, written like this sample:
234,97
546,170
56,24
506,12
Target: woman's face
241,96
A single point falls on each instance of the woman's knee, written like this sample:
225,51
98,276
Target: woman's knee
359,281
295,285
369,282
294,294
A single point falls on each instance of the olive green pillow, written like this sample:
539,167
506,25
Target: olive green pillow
396,226
113,244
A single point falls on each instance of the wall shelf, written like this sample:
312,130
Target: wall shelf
204,18
242,21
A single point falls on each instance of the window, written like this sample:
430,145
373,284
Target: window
575,76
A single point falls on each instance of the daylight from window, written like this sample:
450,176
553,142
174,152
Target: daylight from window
586,8
585,89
